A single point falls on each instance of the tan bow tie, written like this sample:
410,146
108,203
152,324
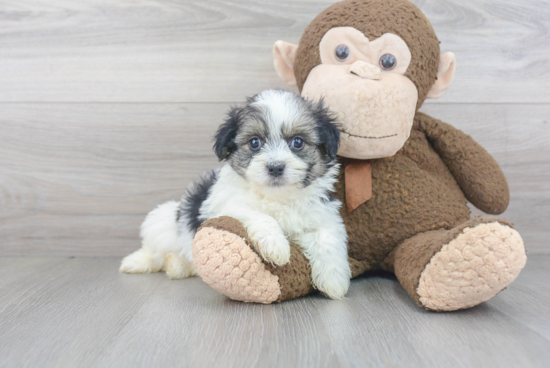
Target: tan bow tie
358,183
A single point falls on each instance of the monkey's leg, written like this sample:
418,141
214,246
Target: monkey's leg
225,259
447,270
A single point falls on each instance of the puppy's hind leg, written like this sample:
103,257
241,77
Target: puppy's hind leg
178,267
161,242
141,261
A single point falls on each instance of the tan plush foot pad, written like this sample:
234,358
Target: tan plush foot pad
226,262
472,268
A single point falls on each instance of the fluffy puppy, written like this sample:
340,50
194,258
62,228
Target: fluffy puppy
280,154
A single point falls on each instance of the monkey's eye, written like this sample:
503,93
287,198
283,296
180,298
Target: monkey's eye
255,143
388,62
297,143
342,52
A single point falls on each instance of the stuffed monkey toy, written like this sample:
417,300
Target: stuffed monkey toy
405,177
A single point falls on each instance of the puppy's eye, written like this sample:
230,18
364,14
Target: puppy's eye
342,52
297,143
388,62
255,143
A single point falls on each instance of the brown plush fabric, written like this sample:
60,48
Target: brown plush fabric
475,170
375,18
413,192
228,224
410,258
294,277
357,267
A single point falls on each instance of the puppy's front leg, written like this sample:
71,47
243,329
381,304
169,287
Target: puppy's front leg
326,249
266,234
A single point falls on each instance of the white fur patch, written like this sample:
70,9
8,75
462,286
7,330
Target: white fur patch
160,237
281,108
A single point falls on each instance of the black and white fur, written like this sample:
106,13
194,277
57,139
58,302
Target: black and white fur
293,204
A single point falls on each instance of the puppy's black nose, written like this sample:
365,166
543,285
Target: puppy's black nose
275,170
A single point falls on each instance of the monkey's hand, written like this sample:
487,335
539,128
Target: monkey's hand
475,170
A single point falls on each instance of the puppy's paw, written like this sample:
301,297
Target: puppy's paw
139,262
332,281
272,246
177,267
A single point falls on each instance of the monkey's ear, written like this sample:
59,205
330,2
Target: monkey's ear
224,140
445,75
284,55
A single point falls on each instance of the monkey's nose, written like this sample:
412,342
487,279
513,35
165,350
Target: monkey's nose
275,170
365,70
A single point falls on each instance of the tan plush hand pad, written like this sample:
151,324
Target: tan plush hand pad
226,263
472,268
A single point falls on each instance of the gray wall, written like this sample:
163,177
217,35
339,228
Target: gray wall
108,108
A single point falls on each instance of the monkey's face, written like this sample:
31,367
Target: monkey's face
373,83
363,81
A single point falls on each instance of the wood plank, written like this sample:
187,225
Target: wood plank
220,51
78,179
399,334
61,315
532,289
71,171
14,269
84,313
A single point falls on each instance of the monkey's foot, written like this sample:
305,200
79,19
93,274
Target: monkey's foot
472,268
225,259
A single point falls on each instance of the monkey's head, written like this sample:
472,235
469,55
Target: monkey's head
374,62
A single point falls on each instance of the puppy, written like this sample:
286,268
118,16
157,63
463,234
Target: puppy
280,154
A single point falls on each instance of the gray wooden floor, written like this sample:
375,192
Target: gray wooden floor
66,312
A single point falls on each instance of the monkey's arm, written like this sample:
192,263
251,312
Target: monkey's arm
475,170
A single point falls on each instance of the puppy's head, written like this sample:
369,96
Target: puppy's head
279,139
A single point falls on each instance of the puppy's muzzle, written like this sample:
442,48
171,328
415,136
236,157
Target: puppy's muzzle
276,170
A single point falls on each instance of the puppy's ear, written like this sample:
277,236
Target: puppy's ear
224,140
327,128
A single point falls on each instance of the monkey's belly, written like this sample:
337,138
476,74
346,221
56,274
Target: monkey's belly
409,197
